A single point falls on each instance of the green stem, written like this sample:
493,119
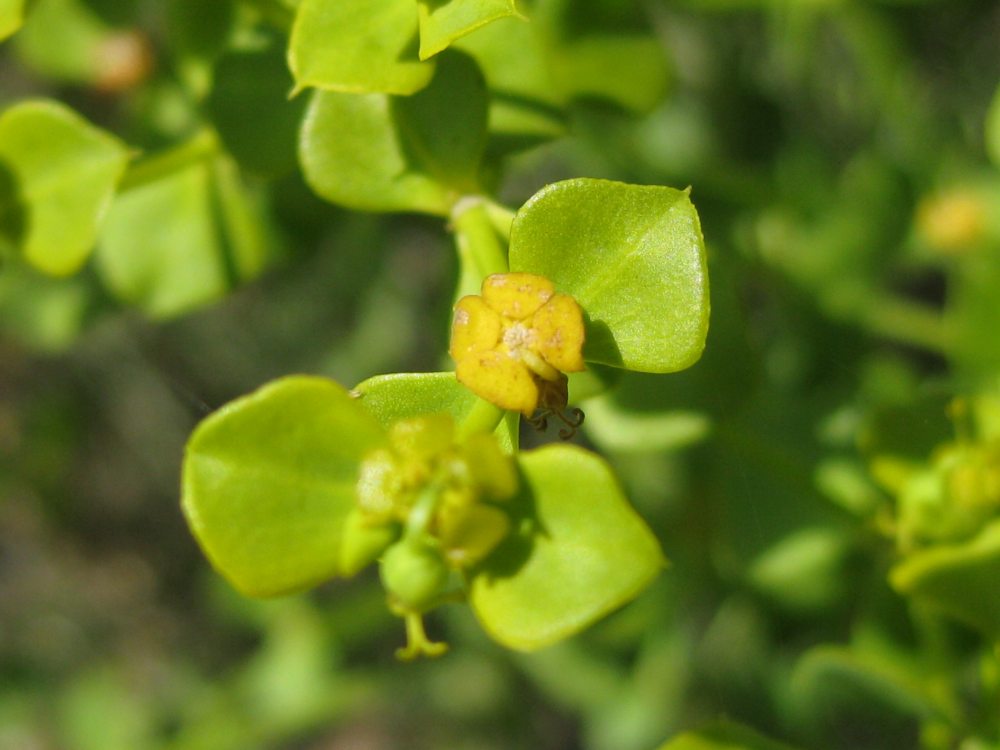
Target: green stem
501,217
480,252
417,642
422,512
484,417
195,150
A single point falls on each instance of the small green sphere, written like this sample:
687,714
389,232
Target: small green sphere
415,574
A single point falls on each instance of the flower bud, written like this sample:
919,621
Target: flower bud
415,574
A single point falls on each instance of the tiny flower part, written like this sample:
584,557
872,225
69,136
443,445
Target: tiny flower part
512,344
434,488
954,221
428,506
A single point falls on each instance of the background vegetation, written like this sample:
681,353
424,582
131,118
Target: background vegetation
840,157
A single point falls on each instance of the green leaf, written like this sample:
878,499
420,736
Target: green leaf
960,579
62,39
627,69
406,395
250,109
872,670
357,46
443,21
723,736
208,237
352,155
615,428
633,257
269,480
581,552
11,17
804,571
61,173
379,153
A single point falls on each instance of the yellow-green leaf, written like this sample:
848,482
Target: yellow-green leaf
444,21
60,173
357,46
582,553
633,257
11,17
269,482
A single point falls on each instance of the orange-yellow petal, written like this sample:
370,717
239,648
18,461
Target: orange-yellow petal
559,333
499,379
516,295
475,328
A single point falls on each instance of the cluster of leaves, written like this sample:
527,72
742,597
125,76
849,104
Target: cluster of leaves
383,133
298,458
823,479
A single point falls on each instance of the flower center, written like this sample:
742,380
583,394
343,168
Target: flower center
517,338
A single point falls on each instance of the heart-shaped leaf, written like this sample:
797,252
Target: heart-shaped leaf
633,257
443,21
582,552
269,480
357,46
59,174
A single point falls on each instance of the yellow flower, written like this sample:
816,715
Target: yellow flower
512,345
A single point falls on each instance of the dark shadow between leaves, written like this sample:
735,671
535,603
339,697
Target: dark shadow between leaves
503,143
435,123
410,52
514,551
251,111
537,106
115,12
13,211
600,345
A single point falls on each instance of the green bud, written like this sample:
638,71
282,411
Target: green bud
415,574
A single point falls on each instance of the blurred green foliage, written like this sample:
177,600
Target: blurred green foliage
844,159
